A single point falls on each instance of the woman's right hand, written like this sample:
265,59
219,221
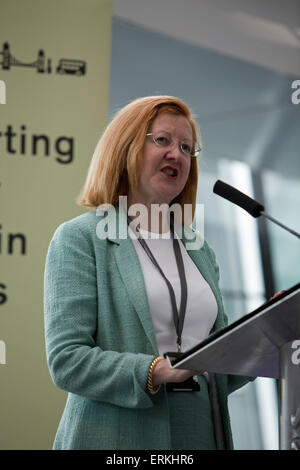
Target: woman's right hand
163,373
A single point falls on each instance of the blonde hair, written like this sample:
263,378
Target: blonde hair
116,163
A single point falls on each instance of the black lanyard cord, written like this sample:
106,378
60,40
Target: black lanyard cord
177,318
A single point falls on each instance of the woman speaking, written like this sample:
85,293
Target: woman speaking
117,302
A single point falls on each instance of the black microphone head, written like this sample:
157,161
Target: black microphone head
242,200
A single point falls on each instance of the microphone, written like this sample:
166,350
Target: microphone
240,199
245,202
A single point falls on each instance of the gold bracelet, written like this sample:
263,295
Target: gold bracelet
151,388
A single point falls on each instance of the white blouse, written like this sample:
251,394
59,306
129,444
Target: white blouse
201,309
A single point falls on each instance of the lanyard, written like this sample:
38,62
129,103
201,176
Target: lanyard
178,318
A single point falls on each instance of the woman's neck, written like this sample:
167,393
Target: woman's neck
152,217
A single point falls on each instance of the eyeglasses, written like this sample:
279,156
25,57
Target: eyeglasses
163,139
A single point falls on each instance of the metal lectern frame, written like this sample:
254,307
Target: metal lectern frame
263,343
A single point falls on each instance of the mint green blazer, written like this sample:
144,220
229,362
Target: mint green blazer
100,340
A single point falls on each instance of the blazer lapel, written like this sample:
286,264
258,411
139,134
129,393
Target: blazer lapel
131,272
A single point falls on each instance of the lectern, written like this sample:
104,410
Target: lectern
263,343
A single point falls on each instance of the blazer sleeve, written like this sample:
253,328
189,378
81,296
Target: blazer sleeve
234,382
76,363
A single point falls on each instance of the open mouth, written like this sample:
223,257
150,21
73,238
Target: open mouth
170,172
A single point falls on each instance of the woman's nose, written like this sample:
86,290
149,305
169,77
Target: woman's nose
174,150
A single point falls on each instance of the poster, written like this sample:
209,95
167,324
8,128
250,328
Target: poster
54,81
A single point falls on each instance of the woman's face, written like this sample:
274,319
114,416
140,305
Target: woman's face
164,170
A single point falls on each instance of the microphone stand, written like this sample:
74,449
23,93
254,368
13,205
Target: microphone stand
279,223
253,207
